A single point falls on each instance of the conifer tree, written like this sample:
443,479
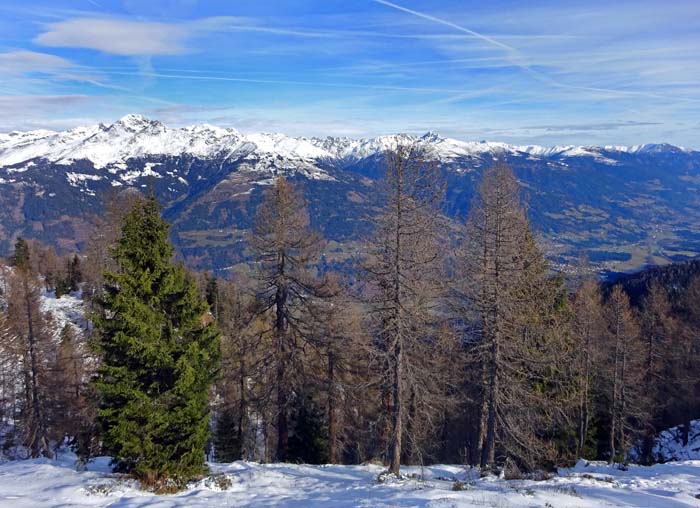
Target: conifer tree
683,358
160,355
74,276
308,443
403,272
31,331
21,259
287,249
519,314
658,331
243,351
588,328
68,376
227,442
623,374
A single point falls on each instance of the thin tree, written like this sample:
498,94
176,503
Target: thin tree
30,325
341,356
683,359
623,375
403,270
520,335
588,328
658,330
243,353
286,249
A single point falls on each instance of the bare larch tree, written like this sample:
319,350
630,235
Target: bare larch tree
286,251
403,270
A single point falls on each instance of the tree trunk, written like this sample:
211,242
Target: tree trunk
332,416
242,407
397,413
37,431
584,416
488,452
481,431
397,410
282,424
281,330
614,402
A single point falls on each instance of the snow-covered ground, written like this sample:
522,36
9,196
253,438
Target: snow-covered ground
44,483
669,444
64,310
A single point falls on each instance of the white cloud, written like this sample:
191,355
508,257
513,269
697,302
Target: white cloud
23,62
119,37
24,112
18,65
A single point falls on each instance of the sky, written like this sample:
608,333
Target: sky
527,72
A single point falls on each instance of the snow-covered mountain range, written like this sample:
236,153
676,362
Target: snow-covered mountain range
624,206
135,136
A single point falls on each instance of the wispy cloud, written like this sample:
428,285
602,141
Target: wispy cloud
601,72
119,37
514,56
185,75
22,63
583,127
37,111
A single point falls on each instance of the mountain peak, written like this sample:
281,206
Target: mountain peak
133,118
135,135
432,136
657,148
135,122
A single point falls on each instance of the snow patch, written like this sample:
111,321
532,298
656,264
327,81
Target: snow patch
670,443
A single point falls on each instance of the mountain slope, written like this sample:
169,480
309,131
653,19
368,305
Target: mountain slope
626,206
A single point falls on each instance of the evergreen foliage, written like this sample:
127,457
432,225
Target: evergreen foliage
308,441
75,275
160,355
227,445
20,258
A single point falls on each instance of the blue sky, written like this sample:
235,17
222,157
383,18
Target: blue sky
596,72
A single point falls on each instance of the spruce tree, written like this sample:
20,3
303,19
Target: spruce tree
308,442
75,275
160,355
227,442
20,258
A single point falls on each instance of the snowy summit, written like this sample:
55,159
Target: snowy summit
135,136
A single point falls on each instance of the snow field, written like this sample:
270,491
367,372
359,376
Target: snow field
43,483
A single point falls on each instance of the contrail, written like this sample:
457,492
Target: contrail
322,84
512,53
285,82
428,17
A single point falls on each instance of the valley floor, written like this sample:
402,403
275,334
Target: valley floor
43,484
